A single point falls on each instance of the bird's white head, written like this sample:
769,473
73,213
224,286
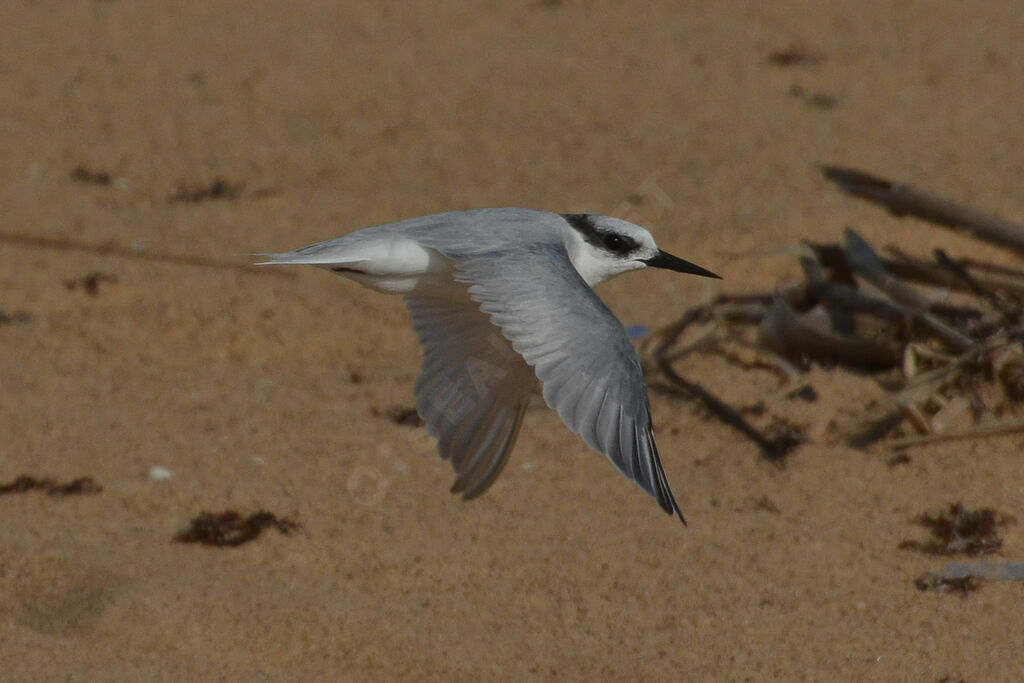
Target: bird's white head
601,247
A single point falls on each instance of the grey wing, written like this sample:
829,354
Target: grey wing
579,351
473,389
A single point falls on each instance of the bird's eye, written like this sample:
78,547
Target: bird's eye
617,243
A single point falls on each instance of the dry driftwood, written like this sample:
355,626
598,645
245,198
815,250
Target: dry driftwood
961,358
905,200
790,334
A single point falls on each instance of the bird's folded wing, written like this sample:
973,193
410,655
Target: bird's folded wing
579,350
473,389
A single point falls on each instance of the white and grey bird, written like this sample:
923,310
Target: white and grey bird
502,298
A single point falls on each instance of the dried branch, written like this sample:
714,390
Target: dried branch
783,331
906,200
995,429
774,449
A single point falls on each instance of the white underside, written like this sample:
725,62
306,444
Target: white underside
389,265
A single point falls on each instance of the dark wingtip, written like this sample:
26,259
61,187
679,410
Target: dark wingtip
661,486
671,507
673,511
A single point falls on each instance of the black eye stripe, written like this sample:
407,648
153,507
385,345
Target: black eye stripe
583,223
619,244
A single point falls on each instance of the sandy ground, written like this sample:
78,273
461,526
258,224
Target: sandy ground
269,390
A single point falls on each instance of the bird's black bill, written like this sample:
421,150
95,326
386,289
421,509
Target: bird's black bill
669,262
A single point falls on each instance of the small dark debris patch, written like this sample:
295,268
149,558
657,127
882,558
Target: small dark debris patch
754,409
804,393
90,283
875,430
795,56
945,584
16,318
782,437
263,192
764,504
898,459
820,100
217,189
230,529
83,174
400,415
960,530
51,487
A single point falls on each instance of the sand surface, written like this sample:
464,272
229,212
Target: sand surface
270,390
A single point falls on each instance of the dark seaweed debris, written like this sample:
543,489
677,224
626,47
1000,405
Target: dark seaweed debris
16,318
82,485
218,188
84,174
794,55
230,529
90,283
960,530
400,415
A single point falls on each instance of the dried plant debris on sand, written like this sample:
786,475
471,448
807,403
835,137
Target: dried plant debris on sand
218,188
24,483
794,55
231,529
15,318
84,174
400,415
943,584
960,530
90,282
940,336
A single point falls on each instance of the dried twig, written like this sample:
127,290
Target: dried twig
863,260
905,200
846,298
774,449
997,429
125,252
657,352
782,330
